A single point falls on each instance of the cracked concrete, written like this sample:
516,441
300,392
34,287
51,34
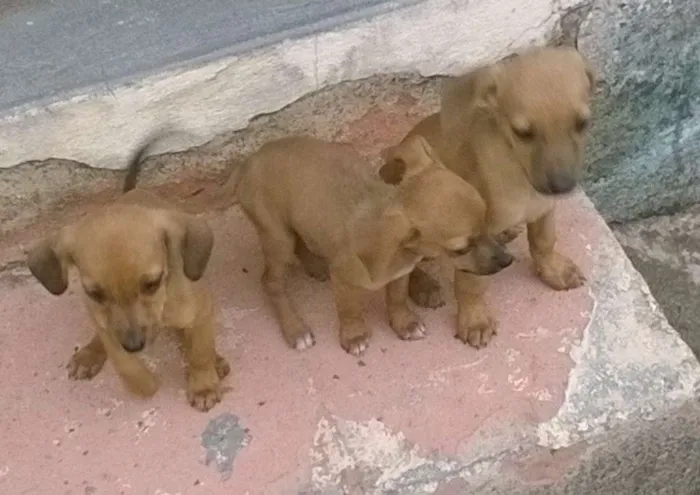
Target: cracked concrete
666,250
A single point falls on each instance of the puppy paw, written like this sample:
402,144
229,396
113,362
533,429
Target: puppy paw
509,235
301,340
222,367
204,400
477,332
203,389
560,273
424,290
355,343
85,364
408,326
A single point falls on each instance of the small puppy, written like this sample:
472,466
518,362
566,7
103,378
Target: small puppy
515,130
320,204
140,262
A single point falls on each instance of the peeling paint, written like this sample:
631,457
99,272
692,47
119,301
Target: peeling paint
223,439
367,456
379,454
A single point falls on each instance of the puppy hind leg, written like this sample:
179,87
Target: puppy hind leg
278,250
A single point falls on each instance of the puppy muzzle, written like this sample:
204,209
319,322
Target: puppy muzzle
557,183
133,340
497,260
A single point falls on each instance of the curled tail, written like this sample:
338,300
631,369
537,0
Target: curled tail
133,168
221,198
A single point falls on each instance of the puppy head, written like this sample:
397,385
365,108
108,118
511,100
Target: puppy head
126,256
447,216
538,103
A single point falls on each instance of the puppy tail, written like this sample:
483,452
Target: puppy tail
133,169
221,198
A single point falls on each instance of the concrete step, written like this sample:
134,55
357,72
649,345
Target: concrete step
571,379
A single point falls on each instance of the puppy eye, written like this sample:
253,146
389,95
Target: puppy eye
524,133
462,252
97,295
151,286
581,124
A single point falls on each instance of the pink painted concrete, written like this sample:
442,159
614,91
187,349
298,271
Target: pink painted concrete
61,436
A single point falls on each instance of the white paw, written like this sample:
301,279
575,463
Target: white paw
305,341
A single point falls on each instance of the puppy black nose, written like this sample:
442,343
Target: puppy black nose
133,341
503,258
560,182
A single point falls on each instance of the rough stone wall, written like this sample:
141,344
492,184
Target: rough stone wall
643,156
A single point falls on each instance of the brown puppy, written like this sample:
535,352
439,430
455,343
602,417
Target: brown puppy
140,262
515,130
319,203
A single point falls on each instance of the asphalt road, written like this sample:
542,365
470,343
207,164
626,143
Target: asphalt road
50,48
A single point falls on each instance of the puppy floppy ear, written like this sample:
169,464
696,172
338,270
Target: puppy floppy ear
190,238
477,90
410,157
50,260
590,74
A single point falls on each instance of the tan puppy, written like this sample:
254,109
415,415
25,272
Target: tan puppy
319,203
140,262
515,130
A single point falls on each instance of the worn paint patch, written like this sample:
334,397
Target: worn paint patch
223,438
369,458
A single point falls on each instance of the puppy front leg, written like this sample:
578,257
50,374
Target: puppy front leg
354,334
475,326
133,372
554,269
88,360
405,323
205,368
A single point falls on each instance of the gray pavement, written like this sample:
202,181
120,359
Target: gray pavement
50,48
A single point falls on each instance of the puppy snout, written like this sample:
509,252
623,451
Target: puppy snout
561,182
503,258
558,182
491,258
133,340
498,260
